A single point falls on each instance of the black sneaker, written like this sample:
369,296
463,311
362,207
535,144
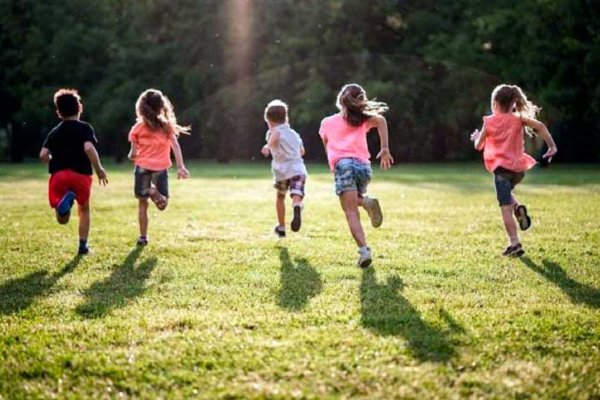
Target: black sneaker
522,217
297,221
83,249
514,251
280,231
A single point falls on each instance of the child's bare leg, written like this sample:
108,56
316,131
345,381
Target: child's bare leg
296,200
509,223
349,201
84,220
143,216
280,207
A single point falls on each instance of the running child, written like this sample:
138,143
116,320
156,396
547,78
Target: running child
501,139
152,138
70,152
289,172
345,138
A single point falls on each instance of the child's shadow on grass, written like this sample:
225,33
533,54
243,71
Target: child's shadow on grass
386,312
579,293
125,283
18,294
299,282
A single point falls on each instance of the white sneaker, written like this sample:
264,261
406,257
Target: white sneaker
364,260
371,205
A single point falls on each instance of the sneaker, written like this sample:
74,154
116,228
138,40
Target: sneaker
514,251
371,205
142,241
522,217
83,249
280,231
365,259
157,198
297,221
64,205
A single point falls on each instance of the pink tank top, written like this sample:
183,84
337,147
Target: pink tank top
504,146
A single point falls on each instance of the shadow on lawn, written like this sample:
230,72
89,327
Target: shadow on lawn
18,294
386,312
577,292
299,282
124,284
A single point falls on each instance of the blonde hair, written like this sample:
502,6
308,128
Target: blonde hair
352,101
155,110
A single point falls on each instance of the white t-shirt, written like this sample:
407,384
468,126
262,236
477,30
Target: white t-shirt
287,157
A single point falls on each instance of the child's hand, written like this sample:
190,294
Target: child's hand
386,159
265,151
550,153
182,173
475,135
102,178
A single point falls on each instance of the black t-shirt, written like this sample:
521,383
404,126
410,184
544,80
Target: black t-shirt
65,143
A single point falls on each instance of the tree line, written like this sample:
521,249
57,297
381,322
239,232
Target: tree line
220,61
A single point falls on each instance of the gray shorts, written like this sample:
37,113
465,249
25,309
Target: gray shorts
505,181
144,178
351,175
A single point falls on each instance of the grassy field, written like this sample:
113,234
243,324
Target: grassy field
217,307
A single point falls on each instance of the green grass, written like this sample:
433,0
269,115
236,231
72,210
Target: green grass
217,307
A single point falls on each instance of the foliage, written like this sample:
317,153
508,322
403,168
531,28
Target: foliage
434,63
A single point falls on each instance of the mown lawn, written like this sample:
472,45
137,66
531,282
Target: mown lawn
217,307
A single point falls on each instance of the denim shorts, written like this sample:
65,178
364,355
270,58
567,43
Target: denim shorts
144,178
351,175
295,184
505,181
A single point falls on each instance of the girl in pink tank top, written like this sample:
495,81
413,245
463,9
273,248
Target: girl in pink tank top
501,140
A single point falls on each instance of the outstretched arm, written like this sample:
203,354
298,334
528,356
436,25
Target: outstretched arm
478,138
384,155
182,172
541,130
92,155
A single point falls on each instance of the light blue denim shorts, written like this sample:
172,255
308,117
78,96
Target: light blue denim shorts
351,174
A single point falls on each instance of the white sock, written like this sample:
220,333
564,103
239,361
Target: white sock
514,240
361,250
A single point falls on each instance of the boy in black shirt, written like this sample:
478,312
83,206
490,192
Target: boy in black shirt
69,150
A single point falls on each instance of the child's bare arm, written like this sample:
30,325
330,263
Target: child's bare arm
132,152
478,138
541,130
182,172
45,155
92,155
379,122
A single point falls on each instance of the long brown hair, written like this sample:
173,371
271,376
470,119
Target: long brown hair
352,101
155,109
512,98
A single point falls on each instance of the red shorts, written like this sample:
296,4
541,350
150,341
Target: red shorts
67,180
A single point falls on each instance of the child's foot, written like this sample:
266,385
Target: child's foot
522,217
280,231
142,241
297,220
157,198
365,259
371,205
514,250
83,247
64,205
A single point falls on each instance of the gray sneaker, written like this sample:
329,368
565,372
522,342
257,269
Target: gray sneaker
371,205
365,259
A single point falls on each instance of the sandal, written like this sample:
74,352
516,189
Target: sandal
157,198
522,217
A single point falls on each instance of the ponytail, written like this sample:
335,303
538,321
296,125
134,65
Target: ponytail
357,108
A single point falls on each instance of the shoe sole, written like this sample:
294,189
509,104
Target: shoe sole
365,263
375,214
65,204
522,217
516,253
297,221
